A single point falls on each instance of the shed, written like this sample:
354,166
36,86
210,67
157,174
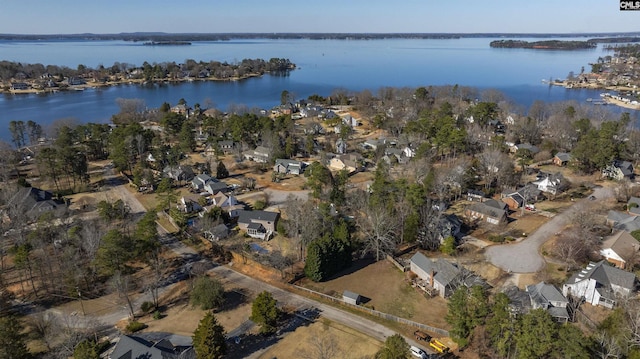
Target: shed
351,297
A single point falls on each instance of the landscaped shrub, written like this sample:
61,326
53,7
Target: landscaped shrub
135,326
496,238
157,315
146,306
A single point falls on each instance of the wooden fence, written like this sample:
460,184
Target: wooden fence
397,264
376,313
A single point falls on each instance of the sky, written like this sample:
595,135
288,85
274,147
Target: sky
327,16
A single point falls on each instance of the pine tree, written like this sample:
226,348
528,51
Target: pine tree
12,344
395,347
208,340
265,312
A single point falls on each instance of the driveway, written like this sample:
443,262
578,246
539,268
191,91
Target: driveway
524,256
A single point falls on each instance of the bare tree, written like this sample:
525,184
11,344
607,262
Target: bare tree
322,347
379,232
495,167
124,284
46,326
429,234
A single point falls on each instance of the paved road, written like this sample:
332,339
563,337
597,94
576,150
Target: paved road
524,256
226,274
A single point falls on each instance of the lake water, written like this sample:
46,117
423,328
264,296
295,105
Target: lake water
323,65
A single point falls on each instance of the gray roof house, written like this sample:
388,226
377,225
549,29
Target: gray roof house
286,166
178,173
439,273
258,224
618,170
214,186
633,206
600,284
199,181
33,201
549,298
490,211
551,183
623,221
260,154
134,347
561,158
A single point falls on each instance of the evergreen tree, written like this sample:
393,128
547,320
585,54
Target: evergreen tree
86,349
536,336
500,326
264,311
207,293
12,341
395,347
458,316
221,170
209,340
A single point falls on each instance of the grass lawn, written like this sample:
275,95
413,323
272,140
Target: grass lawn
302,343
387,290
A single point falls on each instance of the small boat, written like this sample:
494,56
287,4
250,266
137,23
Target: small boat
589,99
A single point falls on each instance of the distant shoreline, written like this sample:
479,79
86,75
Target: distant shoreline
160,36
96,84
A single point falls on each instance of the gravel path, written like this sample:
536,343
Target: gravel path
524,256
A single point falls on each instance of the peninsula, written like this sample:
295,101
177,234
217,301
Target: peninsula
543,45
36,78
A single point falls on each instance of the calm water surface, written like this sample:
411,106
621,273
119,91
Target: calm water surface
324,65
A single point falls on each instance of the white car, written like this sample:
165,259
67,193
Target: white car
418,353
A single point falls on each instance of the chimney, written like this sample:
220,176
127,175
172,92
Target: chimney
431,278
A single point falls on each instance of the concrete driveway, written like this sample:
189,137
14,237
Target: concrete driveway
524,256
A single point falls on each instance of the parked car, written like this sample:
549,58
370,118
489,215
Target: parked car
419,353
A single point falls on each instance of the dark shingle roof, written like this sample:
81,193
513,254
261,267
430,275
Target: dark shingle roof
605,275
250,216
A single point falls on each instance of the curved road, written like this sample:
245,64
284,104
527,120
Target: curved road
524,256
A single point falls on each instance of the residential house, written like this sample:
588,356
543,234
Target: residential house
633,206
228,204
341,146
519,300
221,231
623,221
260,154
350,161
199,181
619,248
181,109
350,121
19,86
134,347
440,274
548,297
600,284
561,159
524,146
552,184
476,196
373,144
190,203
286,166
517,199
227,146
618,170
449,226
409,152
490,211
258,224
33,202
179,173
213,186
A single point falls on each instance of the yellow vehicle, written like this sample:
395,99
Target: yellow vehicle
438,346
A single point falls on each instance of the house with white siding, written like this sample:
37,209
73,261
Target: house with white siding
600,284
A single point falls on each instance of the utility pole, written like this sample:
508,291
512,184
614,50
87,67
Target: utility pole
80,299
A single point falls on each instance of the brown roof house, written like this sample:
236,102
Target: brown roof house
620,248
490,211
600,284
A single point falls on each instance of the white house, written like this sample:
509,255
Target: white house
600,284
439,274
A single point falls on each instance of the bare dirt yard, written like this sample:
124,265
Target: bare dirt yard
303,342
388,290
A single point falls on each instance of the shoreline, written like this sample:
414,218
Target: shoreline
94,85
607,99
